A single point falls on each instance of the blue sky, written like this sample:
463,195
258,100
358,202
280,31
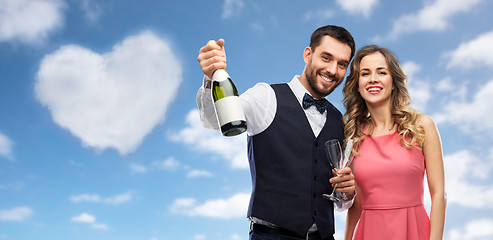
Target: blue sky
99,133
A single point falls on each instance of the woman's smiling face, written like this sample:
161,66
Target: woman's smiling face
375,81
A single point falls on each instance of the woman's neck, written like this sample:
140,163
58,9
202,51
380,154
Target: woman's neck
382,121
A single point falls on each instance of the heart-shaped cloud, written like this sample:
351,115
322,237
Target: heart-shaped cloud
112,100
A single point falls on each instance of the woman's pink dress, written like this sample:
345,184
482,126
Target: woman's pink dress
390,181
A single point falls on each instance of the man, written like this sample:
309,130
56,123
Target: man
287,127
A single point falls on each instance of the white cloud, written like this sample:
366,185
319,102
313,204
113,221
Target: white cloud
456,91
92,10
445,85
232,207
355,7
13,185
119,199
199,173
410,69
15,214
84,218
168,164
319,14
199,236
231,149
478,229
463,171
435,16
182,203
237,237
232,8
95,198
137,168
6,147
30,21
232,237
86,198
100,226
419,90
112,100
257,27
473,54
340,224
470,117
89,219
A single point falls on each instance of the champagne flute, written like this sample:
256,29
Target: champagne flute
335,157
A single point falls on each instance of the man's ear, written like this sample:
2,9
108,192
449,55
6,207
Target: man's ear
307,54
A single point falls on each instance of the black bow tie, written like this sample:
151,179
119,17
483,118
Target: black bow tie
321,104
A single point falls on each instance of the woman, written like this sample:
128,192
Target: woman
393,146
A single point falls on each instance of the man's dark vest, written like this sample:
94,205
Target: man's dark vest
290,170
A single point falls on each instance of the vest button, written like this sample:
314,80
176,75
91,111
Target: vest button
315,213
314,195
316,160
315,178
316,144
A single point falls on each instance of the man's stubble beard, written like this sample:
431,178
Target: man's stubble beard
311,78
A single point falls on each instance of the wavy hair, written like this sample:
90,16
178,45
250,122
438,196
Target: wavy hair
357,119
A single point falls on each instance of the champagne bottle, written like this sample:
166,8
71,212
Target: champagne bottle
227,104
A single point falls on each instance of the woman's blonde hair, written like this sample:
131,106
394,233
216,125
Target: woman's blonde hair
357,119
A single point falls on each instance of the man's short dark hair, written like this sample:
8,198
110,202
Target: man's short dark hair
339,33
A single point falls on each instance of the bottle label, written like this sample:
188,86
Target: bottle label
229,109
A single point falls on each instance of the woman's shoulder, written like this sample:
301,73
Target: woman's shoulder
426,121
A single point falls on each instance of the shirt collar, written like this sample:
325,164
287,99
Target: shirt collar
298,89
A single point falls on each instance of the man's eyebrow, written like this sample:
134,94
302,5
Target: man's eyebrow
330,55
327,53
